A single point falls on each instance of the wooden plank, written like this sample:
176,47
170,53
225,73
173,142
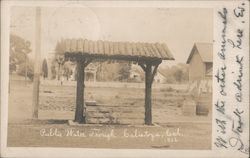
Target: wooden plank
111,48
128,48
106,48
67,44
160,49
86,46
80,45
140,50
95,46
150,50
91,47
153,46
73,45
134,50
63,42
121,47
116,49
100,47
146,51
117,115
114,121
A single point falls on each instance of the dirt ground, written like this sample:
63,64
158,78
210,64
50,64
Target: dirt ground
171,129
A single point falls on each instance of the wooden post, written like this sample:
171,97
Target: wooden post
149,78
80,115
36,80
148,92
80,93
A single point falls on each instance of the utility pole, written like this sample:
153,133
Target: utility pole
36,81
26,69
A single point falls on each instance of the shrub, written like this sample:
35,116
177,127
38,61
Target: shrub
30,70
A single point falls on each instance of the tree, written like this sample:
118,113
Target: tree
53,69
27,68
176,74
19,50
60,61
67,69
59,58
124,71
45,69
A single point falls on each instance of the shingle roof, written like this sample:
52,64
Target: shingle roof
205,50
119,50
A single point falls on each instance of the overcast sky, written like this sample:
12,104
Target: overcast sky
179,28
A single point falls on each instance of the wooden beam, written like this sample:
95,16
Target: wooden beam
79,113
87,62
142,66
153,60
154,72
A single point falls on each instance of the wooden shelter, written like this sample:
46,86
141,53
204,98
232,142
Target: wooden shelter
83,51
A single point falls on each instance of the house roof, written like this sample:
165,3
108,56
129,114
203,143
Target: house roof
133,51
205,50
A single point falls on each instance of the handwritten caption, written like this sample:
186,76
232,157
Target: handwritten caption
230,103
167,135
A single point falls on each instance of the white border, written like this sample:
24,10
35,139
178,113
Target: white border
79,152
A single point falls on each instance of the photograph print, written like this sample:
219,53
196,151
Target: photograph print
110,77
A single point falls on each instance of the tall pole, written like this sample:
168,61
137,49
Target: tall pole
25,69
36,81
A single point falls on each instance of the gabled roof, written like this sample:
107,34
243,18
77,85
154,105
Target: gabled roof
133,51
205,50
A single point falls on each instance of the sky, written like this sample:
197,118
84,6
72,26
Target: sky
179,28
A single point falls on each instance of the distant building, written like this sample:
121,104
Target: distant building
160,77
90,72
200,62
138,75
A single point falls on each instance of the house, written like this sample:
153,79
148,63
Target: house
137,75
200,62
90,72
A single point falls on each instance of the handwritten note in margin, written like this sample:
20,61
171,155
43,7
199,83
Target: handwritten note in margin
231,78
